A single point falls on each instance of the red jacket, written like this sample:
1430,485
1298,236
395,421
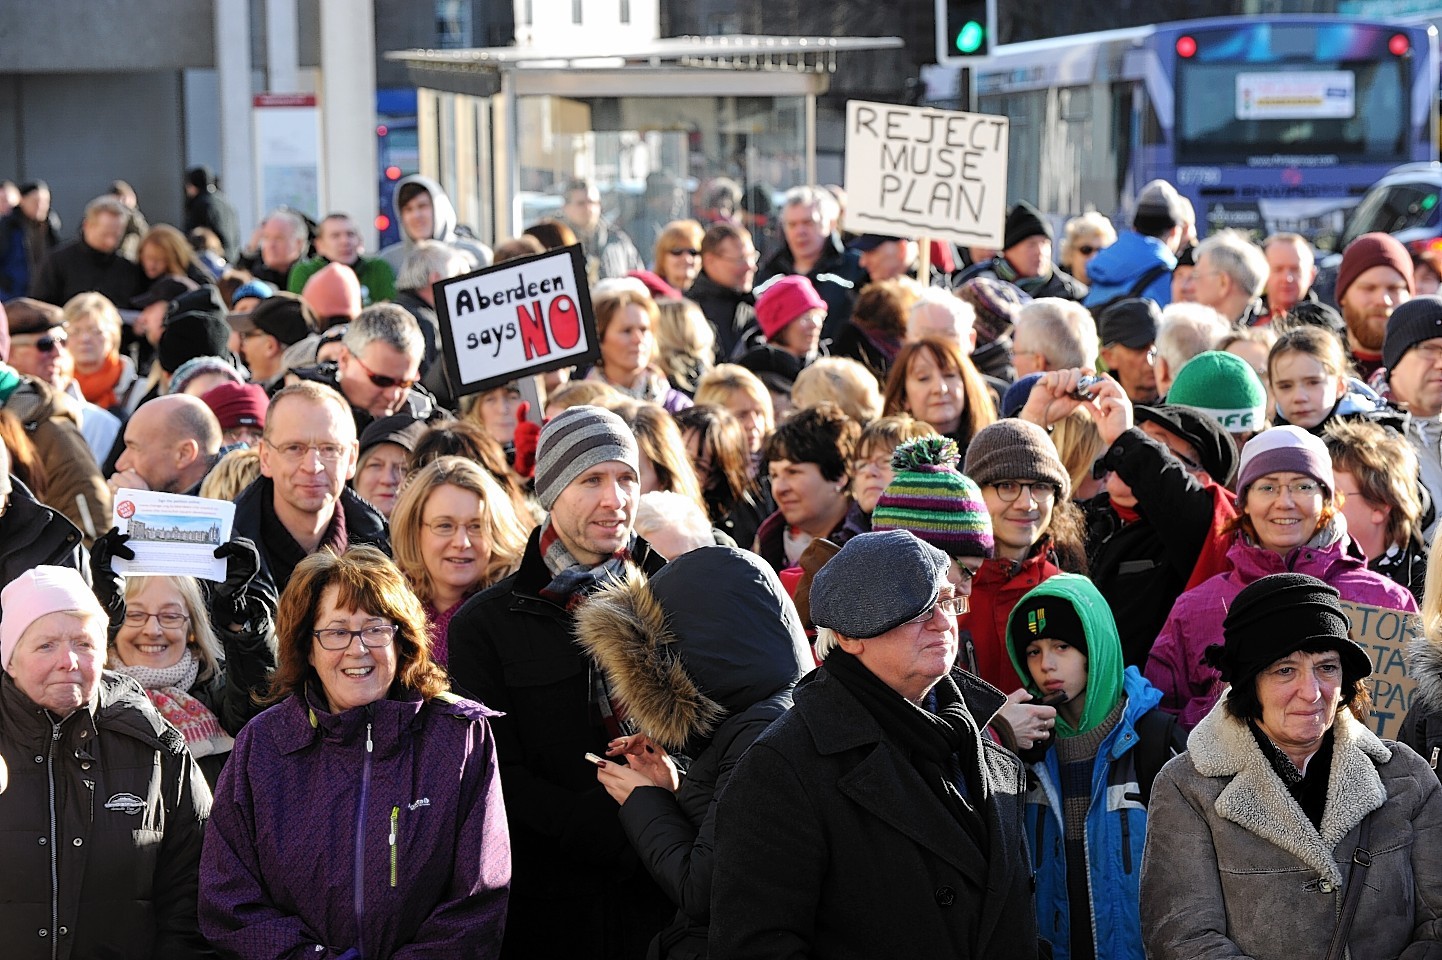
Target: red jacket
995,590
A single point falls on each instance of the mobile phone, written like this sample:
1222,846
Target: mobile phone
598,761
1055,699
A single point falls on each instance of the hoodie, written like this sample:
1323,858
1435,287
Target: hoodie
444,227
1119,267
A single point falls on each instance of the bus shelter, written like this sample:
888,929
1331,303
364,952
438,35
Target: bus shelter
503,129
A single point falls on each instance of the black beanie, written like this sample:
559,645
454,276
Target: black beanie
1022,221
1414,321
1277,616
192,335
1048,616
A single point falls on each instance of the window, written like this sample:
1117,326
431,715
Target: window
625,11
575,11
453,24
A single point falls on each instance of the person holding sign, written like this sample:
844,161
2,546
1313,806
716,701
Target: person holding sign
625,320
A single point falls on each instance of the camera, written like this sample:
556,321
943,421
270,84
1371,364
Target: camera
1084,387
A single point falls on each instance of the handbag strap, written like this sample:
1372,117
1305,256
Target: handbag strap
1361,860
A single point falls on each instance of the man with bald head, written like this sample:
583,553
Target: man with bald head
171,443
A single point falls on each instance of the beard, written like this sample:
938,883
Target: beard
1366,331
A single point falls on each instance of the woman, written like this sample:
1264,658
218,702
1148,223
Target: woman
790,314
1285,805
102,837
808,459
1376,471
871,468
454,532
105,376
844,382
933,382
704,654
746,398
735,503
164,252
877,328
678,253
664,464
685,343
624,323
461,438
496,411
1287,521
1084,238
360,816
385,448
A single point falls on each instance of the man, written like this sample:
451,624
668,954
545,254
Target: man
1186,330
1128,333
1291,271
1053,334
206,206
1230,275
1025,258
812,249
92,262
426,213
429,262
338,241
38,348
1374,278
723,288
170,445
27,235
609,252
940,313
279,243
378,372
301,502
878,771
136,225
520,657
1412,354
1141,261
883,257
275,323
334,294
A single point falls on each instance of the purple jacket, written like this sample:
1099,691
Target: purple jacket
1189,687
374,833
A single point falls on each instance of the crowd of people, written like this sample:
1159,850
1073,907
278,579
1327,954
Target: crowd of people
840,608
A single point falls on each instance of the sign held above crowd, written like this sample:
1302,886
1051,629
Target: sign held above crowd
918,172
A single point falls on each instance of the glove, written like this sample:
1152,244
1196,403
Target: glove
230,601
108,585
527,436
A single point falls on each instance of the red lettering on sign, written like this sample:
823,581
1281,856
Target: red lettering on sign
533,330
565,322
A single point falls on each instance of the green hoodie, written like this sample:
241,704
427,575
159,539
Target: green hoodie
1104,649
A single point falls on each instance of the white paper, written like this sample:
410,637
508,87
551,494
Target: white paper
172,534
1307,95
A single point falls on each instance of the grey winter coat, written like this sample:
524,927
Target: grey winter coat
1234,869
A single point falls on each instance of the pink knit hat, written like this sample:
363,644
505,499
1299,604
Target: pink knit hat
785,300
37,592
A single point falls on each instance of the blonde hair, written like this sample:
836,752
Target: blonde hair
202,636
1078,229
685,342
660,441
843,381
98,307
688,232
234,472
579,393
1078,443
727,379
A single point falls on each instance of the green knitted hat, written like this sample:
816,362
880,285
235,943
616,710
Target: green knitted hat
931,498
1225,387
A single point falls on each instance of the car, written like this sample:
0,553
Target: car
1407,203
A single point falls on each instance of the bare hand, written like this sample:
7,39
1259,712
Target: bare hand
619,780
1030,722
646,758
126,478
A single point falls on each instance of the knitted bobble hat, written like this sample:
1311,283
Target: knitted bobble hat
931,498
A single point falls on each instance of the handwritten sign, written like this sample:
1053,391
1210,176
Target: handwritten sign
521,317
1384,634
913,171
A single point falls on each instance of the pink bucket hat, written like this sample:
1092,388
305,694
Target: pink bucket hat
37,592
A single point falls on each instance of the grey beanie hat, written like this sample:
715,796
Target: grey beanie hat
573,442
1015,450
877,582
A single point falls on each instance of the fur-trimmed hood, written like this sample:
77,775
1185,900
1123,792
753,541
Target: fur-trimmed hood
1424,663
707,636
1256,799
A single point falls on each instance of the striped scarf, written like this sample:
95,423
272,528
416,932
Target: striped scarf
571,580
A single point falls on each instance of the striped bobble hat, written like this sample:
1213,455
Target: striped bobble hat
931,498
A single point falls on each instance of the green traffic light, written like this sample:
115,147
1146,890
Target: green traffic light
970,38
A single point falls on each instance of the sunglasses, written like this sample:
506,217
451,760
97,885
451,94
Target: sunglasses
47,343
685,251
1087,250
381,380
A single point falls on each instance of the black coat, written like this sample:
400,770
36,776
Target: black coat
577,888
211,209
830,844
731,313
32,534
77,267
831,276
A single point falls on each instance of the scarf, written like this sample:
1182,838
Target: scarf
1308,789
99,387
169,689
650,386
572,580
941,742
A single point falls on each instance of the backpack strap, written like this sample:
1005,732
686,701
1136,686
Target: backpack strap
1158,740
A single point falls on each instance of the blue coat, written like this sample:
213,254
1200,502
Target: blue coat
1116,832
1113,272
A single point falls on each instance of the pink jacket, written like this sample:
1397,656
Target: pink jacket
1190,687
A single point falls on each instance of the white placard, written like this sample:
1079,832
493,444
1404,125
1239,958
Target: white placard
172,534
918,172
1308,95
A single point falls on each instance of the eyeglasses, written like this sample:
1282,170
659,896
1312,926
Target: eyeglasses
1299,489
881,463
445,529
376,635
251,334
1187,462
169,620
295,452
381,380
966,575
750,259
685,252
46,343
951,606
1009,490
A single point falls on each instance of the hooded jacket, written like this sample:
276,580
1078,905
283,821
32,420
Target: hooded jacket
995,590
71,473
1189,687
444,227
1121,266
704,655
1116,821
1233,867
380,828
32,534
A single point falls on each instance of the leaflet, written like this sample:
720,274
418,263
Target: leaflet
172,534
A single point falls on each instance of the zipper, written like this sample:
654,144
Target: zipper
395,823
359,891
54,845
1126,841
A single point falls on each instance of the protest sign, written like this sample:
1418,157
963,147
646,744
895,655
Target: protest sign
918,172
1384,634
521,317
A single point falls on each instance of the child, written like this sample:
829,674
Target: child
1307,372
1086,811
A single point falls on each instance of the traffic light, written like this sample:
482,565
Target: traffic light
963,30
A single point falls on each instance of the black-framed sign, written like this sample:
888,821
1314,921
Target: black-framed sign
515,319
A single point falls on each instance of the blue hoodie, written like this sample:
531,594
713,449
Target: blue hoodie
1113,272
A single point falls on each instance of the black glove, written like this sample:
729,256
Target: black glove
108,585
230,603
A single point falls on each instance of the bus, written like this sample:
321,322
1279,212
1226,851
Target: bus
1265,123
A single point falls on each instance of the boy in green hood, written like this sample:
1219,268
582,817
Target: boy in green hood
1086,811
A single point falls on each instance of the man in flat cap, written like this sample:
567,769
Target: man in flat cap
874,819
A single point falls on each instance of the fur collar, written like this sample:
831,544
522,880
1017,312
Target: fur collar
1257,801
1424,662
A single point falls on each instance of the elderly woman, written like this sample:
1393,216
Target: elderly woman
361,816
102,831
104,375
1288,826
625,324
